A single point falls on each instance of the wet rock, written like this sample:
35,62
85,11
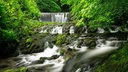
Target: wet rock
80,42
66,28
38,43
80,29
42,59
91,30
54,57
78,46
37,69
90,42
3,66
7,63
17,59
53,38
61,51
69,53
50,45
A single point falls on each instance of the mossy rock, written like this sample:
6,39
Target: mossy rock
80,29
89,42
23,69
61,39
36,43
66,28
42,59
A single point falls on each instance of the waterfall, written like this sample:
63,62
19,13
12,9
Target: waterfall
54,17
57,29
71,30
43,30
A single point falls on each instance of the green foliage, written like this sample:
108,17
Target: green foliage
17,70
28,40
97,13
9,35
13,13
14,18
117,62
61,39
30,8
48,5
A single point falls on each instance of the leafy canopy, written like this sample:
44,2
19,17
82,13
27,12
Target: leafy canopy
97,13
48,5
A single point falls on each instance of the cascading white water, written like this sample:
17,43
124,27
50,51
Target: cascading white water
48,52
43,30
54,17
100,42
56,30
74,45
56,65
53,65
71,30
53,30
103,48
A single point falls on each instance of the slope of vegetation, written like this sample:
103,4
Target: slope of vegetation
15,18
48,5
117,62
51,6
99,13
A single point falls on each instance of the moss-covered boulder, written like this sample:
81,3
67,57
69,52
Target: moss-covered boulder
65,39
42,59
89,42
37,42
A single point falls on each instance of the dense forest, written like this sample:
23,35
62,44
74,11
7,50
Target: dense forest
19,18
15,16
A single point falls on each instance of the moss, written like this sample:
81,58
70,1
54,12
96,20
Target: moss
117,62
23,69
61,39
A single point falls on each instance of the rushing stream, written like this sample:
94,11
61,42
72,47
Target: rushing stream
83,57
